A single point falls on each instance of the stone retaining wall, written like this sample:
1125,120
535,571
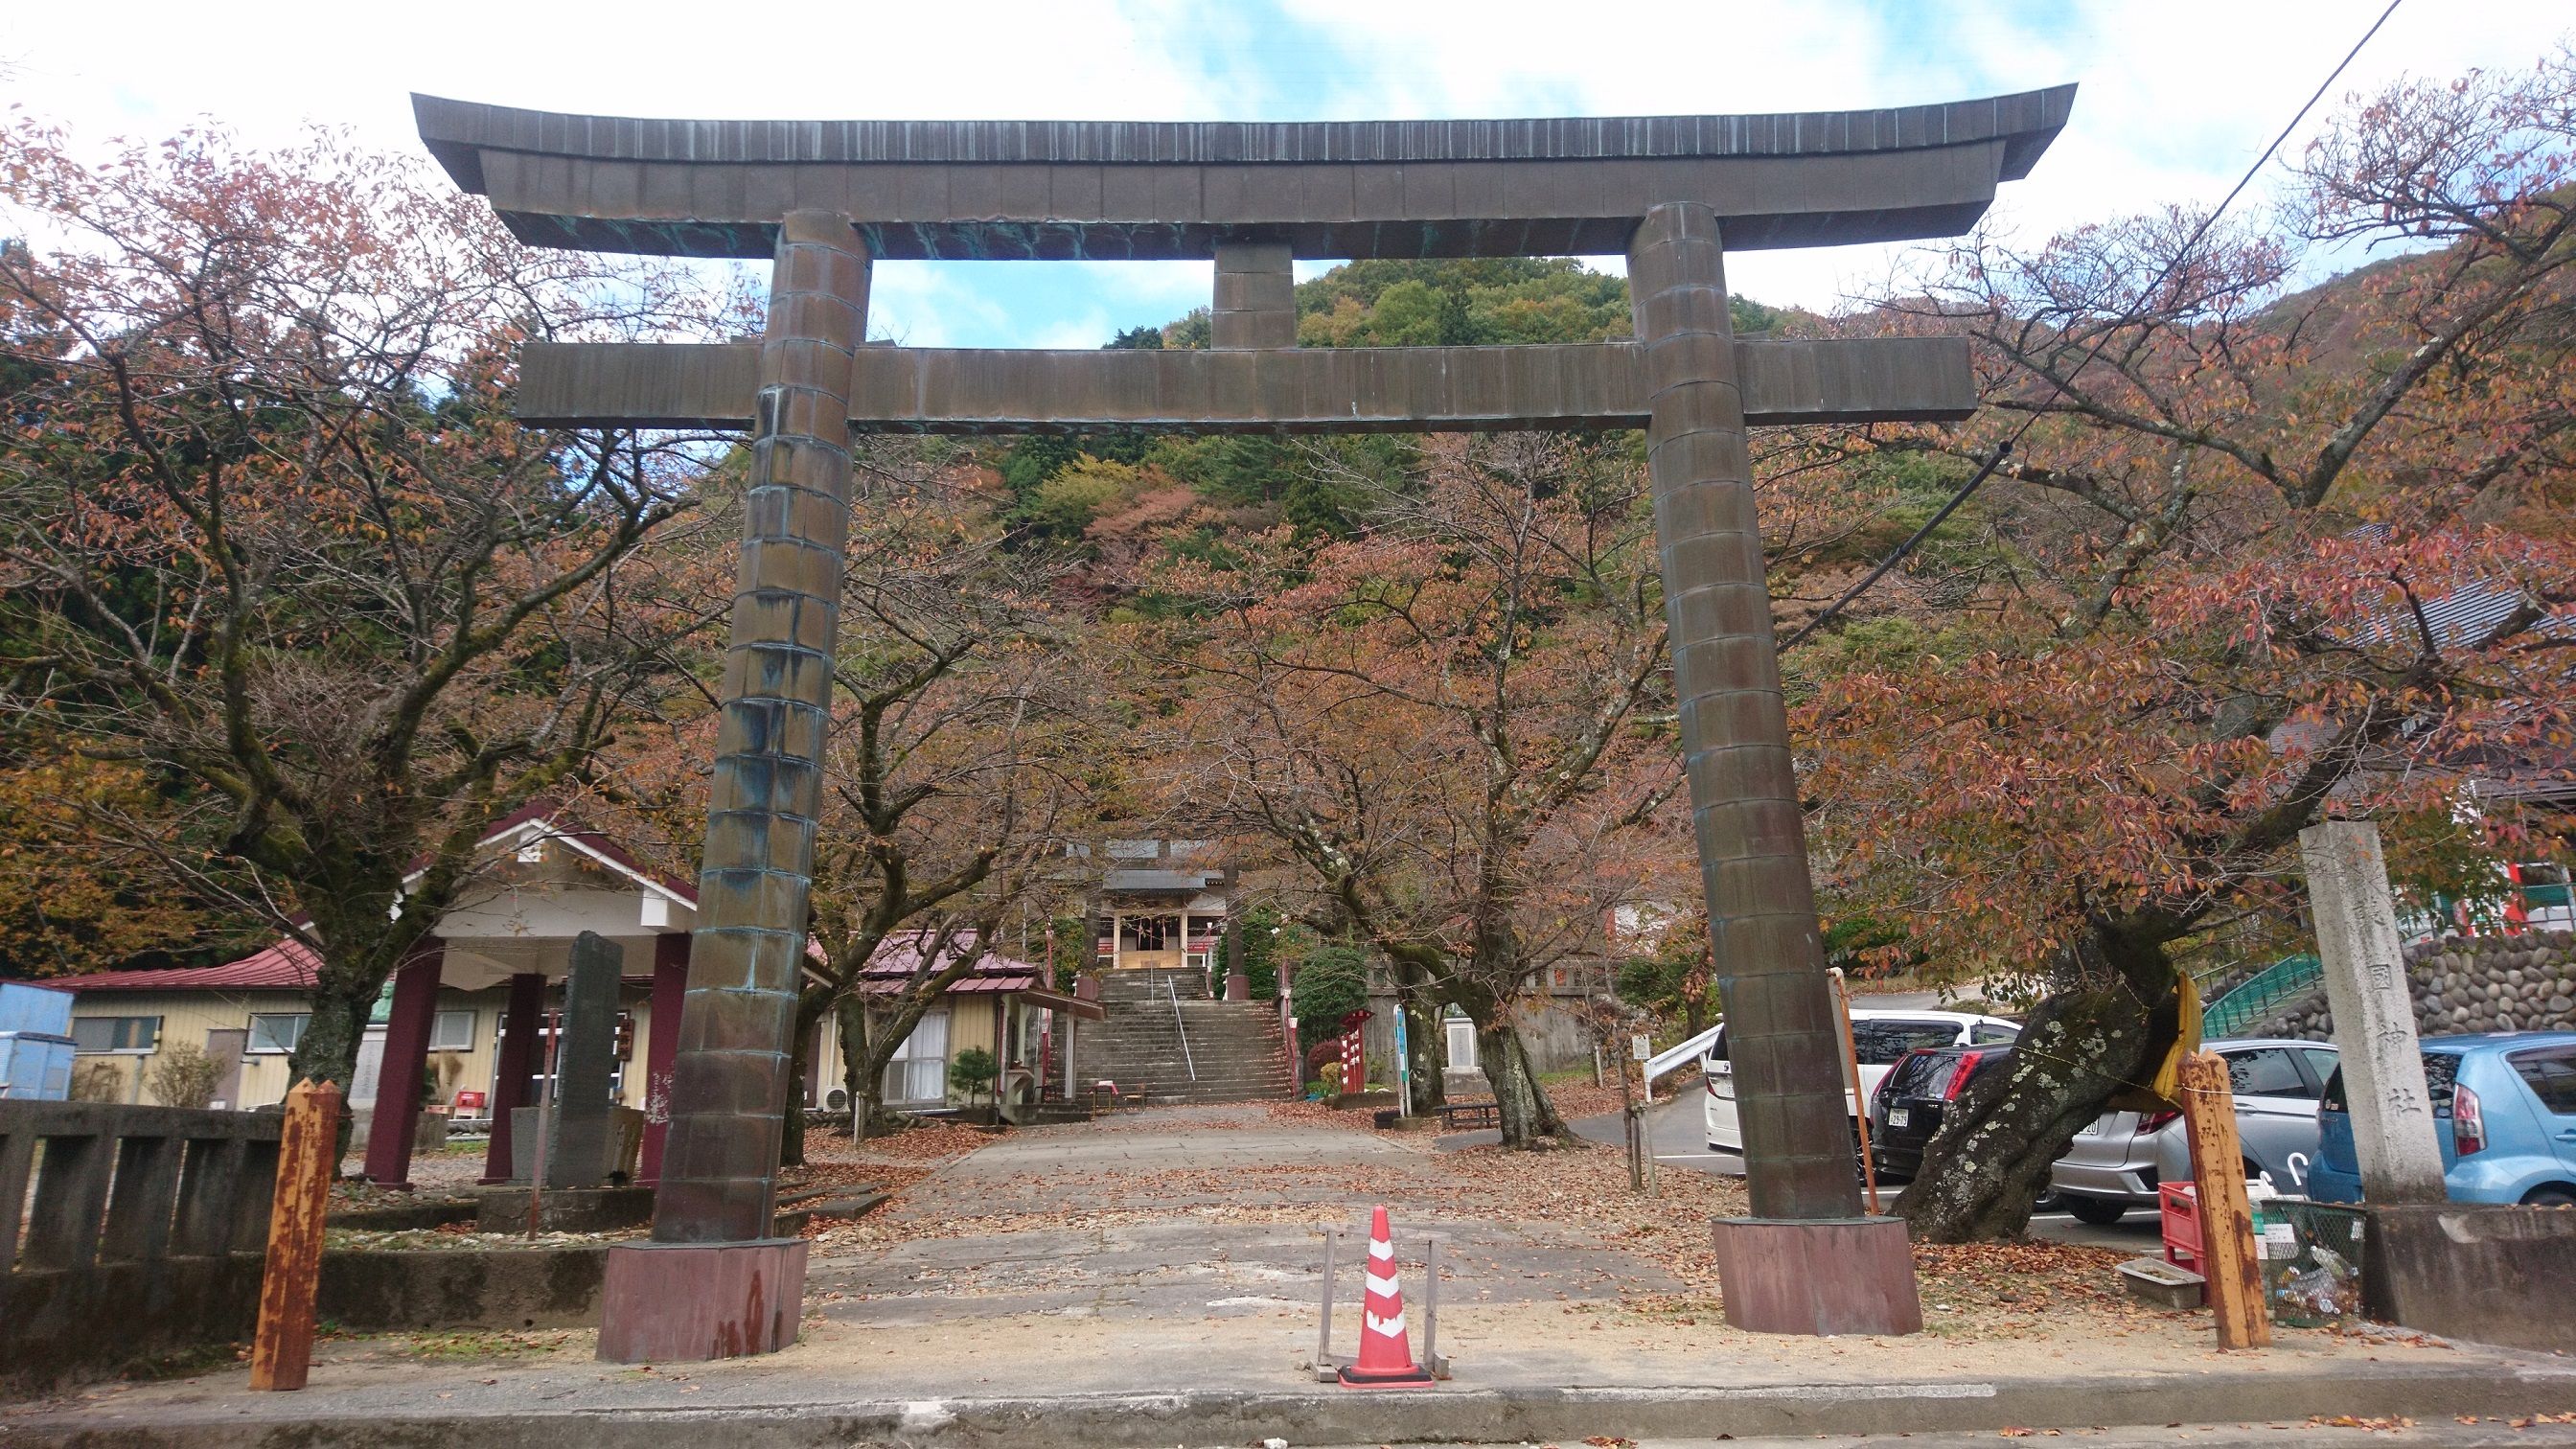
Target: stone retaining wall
2463,985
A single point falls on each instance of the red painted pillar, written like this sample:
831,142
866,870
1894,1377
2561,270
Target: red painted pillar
522,1039
398,1080
662,1047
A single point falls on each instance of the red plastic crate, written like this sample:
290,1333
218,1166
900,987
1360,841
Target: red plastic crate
2181,1202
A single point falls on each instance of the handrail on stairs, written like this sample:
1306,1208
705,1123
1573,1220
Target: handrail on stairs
1179,1026
2247,1002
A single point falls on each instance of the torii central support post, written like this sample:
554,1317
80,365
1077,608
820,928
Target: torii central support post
714,1282
1806,1260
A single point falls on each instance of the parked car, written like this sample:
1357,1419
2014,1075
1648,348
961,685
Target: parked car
1914,1095
1879,1039
2504,1111
2117,1160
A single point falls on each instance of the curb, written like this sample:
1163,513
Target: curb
1331,1417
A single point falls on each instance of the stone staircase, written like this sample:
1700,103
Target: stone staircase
1233,1045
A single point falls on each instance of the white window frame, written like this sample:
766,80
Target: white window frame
251,1043
148,1048
913,1062
445,1034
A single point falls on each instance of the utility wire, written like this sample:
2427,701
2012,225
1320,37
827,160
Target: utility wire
2059,384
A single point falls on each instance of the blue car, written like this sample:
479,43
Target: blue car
2504,1107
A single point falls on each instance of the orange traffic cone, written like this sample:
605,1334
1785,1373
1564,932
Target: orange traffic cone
1386,1356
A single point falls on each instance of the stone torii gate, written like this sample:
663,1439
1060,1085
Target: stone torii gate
826,199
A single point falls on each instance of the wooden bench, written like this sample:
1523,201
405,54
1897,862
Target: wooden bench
1468,1116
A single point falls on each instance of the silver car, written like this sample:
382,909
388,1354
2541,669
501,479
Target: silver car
2117,1161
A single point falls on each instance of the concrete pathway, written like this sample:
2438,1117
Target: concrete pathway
1196,1211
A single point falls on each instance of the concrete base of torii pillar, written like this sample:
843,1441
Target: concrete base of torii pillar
1817,1276
689,1302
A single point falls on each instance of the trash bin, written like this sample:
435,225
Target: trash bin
2320,1285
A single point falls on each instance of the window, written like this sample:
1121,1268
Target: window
2265,1072
93,1034
1927,1075
2551,1075
1880,1043
452,1031
2441,1078
1987,1033
918,1071
278,1033
2322,1063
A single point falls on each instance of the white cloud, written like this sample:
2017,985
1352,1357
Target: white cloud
2176,97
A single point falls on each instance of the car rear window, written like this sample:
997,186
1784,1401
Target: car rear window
2551,1074
2265,1072
2441,1074
1716,1049
1880,1043
1924,1074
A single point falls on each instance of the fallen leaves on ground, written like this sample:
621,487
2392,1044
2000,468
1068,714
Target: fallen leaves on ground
1361,1119
2387,1425
468,1240
1574,1196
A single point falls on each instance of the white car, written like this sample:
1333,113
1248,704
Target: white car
1879,1037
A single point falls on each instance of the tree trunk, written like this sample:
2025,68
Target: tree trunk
868,1115
2102,1033
811,1003
340,1002
1421,1037
1529,1119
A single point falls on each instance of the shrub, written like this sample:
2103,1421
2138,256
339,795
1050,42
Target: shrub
97,1080
183,1076
973,1071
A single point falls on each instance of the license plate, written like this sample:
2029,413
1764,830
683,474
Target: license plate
1899,1116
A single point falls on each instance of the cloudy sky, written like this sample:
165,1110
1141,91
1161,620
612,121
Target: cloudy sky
2178,95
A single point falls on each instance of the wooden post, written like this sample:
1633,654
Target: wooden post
545,1125
2226,1223
1860,1103
307,1154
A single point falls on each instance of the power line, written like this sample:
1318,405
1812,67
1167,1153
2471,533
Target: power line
2058,385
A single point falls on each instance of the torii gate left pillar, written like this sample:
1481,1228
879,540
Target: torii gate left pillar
715,1282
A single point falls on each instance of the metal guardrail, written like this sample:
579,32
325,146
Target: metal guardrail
1683,1051
1179,1026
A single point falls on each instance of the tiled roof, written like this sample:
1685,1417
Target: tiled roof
900,957
285,966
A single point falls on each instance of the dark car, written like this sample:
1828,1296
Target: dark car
1906,1111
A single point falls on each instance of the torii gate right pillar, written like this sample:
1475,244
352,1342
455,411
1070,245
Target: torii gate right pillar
1806,1260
